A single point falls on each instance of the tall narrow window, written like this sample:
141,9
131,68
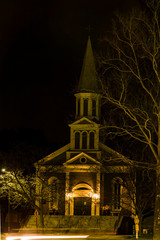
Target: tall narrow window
85,107
77,140
84,140
91,140
53,194
116,193
93,107
78,106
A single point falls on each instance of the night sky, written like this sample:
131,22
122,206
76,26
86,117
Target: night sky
42,45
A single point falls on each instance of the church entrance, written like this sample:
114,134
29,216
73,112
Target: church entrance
82,201
82,205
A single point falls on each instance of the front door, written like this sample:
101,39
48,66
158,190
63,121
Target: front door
82,206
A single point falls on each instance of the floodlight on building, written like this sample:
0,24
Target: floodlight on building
96,196
69,195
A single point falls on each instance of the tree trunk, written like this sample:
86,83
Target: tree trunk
156,230
140,225
41,221
41,216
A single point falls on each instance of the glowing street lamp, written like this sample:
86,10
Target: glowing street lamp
3,170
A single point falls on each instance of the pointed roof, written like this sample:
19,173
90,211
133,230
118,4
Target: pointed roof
88,79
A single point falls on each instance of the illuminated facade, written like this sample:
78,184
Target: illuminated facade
84,180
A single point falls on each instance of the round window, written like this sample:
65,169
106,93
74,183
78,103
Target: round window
83,160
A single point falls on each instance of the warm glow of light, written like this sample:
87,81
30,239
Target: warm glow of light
44,237
69,195
95,196
3,170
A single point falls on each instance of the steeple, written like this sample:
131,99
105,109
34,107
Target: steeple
87,96
88,79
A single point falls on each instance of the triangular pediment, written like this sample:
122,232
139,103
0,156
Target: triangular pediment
83,121
82,159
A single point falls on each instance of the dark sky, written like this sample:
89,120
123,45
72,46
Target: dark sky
42,45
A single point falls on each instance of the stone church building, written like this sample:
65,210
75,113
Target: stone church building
86,177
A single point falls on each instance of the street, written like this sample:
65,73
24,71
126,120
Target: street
20,236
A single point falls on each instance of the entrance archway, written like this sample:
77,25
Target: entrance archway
82,199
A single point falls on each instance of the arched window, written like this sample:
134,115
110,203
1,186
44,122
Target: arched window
93,107
77,140
84,140
91,140
117,184
53,194
85,107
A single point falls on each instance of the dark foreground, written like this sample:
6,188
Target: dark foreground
77,237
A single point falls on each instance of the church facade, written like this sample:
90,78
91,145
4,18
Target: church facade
86,179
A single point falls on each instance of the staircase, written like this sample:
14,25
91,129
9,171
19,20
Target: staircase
73,224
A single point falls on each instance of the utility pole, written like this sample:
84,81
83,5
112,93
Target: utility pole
9,212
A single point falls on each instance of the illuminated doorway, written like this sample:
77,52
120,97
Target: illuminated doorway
82,206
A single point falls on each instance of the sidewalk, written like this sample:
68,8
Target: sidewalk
119,237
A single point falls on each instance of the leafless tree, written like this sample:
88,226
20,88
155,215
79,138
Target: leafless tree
27,190
131,84
139,188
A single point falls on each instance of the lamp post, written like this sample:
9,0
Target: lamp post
9,206
9,212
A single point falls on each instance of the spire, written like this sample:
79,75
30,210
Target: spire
88,79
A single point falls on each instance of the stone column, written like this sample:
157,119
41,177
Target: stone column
71,206
76,106
98,193
89,107
81,107
80,139
92,208
67,210
97,108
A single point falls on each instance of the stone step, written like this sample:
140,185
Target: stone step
74,223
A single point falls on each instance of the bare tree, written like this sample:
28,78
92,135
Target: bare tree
131,74
138,194
136,182
27,190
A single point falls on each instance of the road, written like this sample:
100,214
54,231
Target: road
19,236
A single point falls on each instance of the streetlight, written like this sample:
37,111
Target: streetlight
3,170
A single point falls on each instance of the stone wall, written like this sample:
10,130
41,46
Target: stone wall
74,224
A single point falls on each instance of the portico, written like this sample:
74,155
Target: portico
82,197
